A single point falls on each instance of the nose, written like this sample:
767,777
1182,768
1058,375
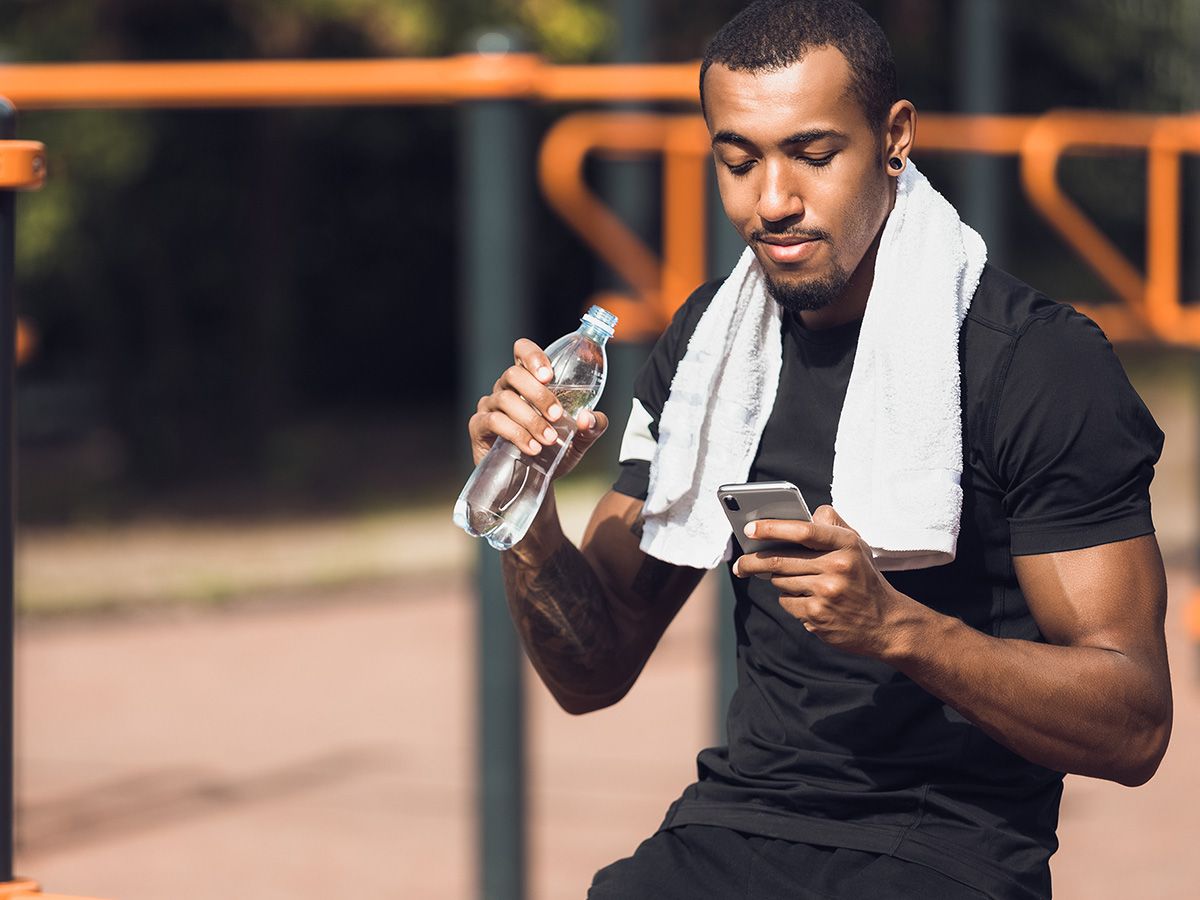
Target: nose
779,199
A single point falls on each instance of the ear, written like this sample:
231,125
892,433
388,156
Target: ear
900,135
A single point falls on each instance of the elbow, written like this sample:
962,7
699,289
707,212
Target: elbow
1145,753
577,704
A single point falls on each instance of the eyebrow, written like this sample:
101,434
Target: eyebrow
800,137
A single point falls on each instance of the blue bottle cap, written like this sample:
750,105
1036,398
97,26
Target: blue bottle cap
601,318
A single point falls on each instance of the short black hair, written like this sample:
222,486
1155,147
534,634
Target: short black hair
773,34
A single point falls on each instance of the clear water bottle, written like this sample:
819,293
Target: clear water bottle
507,488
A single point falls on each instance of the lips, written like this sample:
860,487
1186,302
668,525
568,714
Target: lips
792,251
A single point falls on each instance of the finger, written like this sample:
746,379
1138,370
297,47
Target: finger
821,587
816,535
533,359
540,397
775,562
495,424
804,609
518,409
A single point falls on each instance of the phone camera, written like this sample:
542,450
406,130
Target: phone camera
732,503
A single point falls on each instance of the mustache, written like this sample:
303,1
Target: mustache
808,234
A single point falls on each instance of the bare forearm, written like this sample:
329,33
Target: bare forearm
562,614
1086,710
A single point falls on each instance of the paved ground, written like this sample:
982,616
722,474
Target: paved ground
324,749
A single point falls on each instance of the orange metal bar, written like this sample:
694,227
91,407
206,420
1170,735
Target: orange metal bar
685,186
24,889
560,171
997,135
1152,309
1171,320
330,82
679,82
22,165
1045,144
1191,616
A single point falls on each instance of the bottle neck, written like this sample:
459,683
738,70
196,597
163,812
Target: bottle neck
600,336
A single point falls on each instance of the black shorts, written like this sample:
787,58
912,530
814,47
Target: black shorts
705,862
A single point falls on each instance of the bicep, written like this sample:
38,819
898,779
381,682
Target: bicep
1111,596
646,593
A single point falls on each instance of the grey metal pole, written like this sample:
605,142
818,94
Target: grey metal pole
8,342
725,245
495,187
980,89
630,189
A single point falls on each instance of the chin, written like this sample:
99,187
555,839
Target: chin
807,294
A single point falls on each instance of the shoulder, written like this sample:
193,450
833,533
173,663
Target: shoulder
1010,323
1007,305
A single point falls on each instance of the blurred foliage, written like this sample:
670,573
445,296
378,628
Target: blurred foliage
208,283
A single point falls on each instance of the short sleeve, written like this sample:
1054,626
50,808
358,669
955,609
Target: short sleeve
1074,445
650,392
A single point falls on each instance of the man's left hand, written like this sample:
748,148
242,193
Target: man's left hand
829,582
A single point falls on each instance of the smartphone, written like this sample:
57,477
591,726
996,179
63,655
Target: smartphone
744,503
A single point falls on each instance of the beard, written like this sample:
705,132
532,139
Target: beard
807,296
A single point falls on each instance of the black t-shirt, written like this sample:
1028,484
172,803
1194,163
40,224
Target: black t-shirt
831,748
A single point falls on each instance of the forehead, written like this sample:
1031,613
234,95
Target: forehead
768,105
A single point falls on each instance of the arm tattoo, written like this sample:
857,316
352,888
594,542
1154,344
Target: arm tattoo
561,612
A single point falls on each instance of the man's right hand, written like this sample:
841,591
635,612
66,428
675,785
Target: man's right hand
523,409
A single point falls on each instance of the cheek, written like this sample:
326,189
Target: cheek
737,201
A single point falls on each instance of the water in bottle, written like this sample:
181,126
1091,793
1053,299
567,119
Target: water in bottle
507,488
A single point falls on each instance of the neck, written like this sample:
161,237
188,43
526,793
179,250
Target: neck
851,303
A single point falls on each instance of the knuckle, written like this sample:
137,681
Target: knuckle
831,586
842,564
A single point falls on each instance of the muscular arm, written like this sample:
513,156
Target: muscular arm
590,617
1096,699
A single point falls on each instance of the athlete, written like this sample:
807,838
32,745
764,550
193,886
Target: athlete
893,733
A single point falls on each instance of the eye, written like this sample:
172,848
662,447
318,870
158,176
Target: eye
741,168
818,162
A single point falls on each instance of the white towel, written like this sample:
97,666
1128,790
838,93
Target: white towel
897,464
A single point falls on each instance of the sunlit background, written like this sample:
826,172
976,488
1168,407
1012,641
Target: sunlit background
247,629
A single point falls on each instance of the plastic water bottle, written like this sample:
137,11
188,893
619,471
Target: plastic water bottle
507,488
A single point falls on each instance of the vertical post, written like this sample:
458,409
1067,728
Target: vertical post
495,186
629,188
8,343
980,89
725,246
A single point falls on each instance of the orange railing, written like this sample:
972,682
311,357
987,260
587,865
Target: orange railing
1152,307
338,82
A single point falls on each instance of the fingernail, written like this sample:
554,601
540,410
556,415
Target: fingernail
535,446
554,412
750,529
544,373
551,434
590,420
735,567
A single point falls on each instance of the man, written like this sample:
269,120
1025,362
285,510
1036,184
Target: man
898,734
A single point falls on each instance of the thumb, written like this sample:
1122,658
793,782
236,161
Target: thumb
586,436
827,515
